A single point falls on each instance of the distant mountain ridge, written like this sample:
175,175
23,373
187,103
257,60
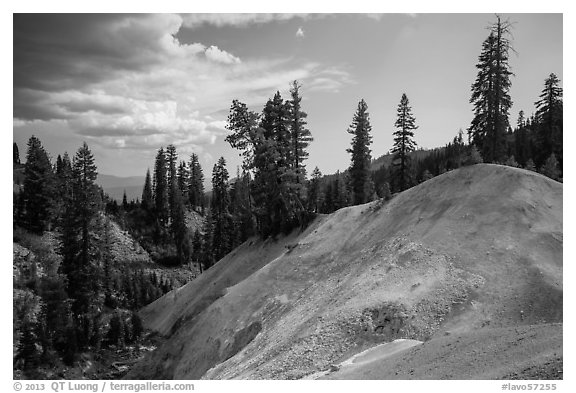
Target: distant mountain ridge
115,186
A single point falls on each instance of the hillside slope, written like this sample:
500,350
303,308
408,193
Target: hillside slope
474,250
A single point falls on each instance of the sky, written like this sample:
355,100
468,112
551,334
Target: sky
129,84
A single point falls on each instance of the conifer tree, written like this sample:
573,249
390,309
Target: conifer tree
246,135
147,195
178,225
78,248
403,144
197,248
490,94
360,179
314,191
161,189
301,136
208,257
62,185
15,154
511,161
196,183
272,144
116,331
386,193
549,118
82,281
183,177
240,208
27,351
124,201
171,164
38,187
550,168
221,219
521,122
137,326
522,140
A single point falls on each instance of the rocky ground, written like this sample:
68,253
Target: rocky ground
465,259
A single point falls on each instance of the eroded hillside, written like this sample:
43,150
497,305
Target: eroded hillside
473,250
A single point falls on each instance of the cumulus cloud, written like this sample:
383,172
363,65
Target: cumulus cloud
215,54
300,33
127,82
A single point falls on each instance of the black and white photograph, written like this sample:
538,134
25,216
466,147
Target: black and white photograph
287,196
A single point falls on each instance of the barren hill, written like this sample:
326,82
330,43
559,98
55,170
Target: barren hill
464,258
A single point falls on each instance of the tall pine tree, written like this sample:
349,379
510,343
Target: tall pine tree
360,179
78,248
490,94
301,136
147,195
550,120
196,183
15,154
183,179
220,211
403,144
161,189
38,188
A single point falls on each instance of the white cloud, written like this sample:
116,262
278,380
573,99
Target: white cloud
238,20
144,88
218,55
300,33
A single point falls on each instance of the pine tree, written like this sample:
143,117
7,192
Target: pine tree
427,175
197,249
15,154
530,165
360,166
474,156
208,258
106,256
196,183
178,225
521,122
82,206
314,191
271,144
403,144
183,177
147,195
522,140
240,208
38,188
137,326
246,134
161,189
386,193
124,201
171,160
490,94
511,161
222,225
549,118
550,168
27,350
301,136
116,331
62,185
